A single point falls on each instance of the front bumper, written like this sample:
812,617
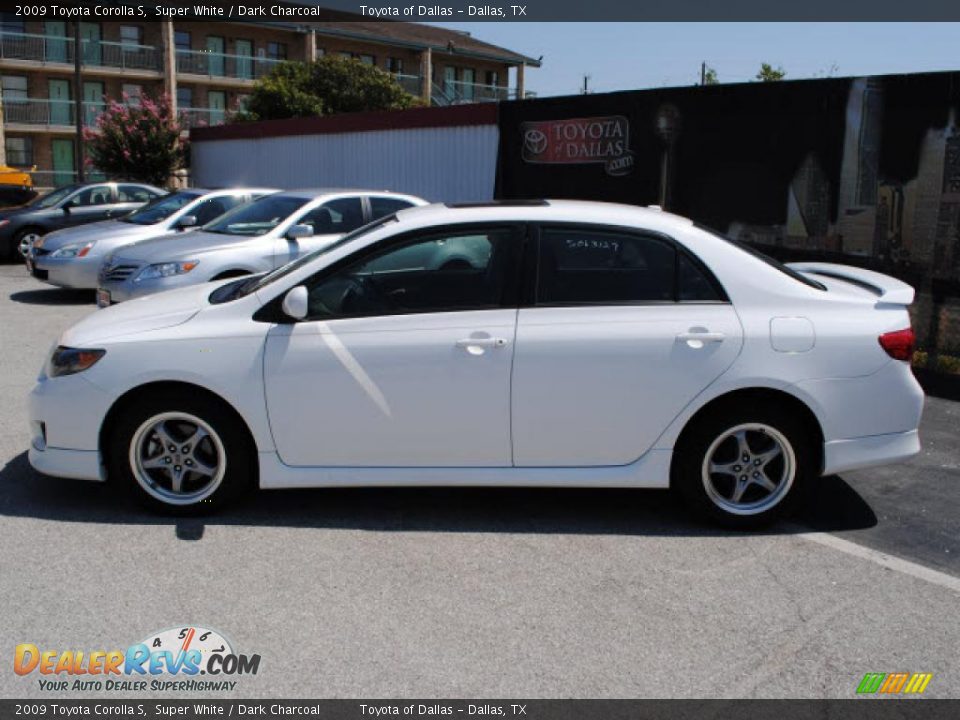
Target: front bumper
121,291
79,273
66,414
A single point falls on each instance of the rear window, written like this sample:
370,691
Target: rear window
772,262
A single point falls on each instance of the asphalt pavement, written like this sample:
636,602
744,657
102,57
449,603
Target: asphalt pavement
478,593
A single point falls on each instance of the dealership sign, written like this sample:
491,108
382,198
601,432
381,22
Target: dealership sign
580,141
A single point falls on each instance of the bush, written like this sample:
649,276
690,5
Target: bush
137,142
328,86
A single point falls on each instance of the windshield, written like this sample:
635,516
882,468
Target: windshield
252,284
772,262
160,209
257,218
52,198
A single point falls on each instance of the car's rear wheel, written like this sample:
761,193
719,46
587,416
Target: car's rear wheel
180,454
744,466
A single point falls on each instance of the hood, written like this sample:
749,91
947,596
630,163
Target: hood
95,231
151,312
180,247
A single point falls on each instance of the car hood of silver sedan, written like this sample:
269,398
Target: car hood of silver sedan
181,247
107,230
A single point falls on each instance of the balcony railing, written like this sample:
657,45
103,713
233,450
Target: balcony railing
410,83
457,92
201,117
57,49
211,64
42,111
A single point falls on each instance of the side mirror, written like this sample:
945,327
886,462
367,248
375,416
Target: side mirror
66,207
187,221
295,303
299,231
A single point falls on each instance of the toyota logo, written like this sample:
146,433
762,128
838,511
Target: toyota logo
535,141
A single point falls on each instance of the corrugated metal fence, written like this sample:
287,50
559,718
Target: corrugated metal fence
443,156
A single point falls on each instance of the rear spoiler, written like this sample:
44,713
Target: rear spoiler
886,288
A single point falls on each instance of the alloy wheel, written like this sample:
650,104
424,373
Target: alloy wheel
26,242
177,458
749,469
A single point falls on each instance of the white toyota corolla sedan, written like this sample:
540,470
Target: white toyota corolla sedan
542,343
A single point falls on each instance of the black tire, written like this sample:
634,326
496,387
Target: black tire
227,444
719,432
18,238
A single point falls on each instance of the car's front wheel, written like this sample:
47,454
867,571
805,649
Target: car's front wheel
744,466
180,453
25,239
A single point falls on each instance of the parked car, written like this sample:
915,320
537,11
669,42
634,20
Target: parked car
68,206
596,345
249,240
71,258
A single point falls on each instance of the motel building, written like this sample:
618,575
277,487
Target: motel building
208,69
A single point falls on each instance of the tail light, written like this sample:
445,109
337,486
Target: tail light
898,344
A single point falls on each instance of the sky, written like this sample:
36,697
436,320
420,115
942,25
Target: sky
624,56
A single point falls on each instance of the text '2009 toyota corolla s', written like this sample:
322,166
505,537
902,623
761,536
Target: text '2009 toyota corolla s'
552,343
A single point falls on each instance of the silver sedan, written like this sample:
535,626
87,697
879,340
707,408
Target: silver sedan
72,257
248,240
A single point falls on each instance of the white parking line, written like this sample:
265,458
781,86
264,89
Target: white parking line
882,559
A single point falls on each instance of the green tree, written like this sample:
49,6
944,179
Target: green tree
710,76
328,86
137,142
770,74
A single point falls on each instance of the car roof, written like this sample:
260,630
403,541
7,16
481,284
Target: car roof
571,211
313,193
226,190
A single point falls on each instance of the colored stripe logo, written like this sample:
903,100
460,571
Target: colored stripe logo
894,683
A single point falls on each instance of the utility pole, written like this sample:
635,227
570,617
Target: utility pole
586,85
78,99
703,73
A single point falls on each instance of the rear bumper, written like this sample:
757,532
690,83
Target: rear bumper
864,452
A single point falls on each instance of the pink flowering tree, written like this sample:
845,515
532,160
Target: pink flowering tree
137,141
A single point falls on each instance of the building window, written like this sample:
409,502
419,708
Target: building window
277,50
14,88
184,97
345,54
10,23
395,65
19,151
131,35
367,59
321,52
133,93
493,78
181,38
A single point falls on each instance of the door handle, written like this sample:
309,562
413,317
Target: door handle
697,340
482,342
475,346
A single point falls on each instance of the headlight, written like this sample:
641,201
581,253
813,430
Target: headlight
167,269
67,361
73,250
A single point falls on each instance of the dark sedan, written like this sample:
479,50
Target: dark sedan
68,206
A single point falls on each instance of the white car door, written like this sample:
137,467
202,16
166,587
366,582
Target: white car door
330,221
624,330
399,366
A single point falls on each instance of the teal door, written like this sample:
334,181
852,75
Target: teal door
63,166
55,42
217,102
61,105
244,52
215,50
90,40
93,103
